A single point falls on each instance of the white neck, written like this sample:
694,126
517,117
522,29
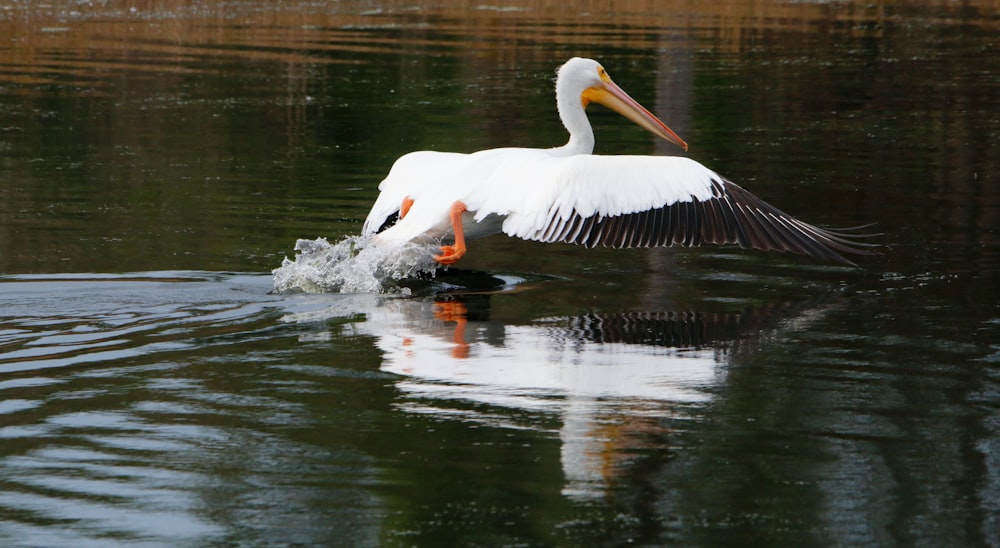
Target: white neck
574,118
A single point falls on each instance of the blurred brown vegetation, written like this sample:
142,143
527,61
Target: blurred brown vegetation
307,31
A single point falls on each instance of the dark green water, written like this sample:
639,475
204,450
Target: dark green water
156,164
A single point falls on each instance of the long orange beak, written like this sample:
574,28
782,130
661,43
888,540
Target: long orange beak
608,93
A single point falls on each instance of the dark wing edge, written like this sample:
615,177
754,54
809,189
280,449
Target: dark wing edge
731,216
389,221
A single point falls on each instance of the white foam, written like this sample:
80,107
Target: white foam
352,265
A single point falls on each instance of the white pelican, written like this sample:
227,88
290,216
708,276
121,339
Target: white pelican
567,194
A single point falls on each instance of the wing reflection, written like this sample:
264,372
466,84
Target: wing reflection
613,380
528,365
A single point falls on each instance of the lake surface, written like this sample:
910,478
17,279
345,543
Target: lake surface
158,160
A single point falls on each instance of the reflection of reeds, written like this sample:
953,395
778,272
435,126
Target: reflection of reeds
171,35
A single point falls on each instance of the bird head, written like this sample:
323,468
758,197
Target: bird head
588,80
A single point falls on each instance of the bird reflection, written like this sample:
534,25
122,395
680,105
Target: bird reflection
681,330
616,381
454,311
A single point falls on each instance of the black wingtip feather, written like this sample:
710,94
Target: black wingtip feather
732,215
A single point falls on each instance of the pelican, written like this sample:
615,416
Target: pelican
568,194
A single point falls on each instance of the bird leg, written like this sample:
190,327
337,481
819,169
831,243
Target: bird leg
404,208
450,254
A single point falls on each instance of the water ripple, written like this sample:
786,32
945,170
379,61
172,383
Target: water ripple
51,322
121,401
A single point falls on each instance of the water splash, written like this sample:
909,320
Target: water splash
352,265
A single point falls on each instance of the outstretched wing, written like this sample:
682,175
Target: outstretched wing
642,201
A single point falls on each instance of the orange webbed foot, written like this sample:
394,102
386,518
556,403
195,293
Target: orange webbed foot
404,208
450,254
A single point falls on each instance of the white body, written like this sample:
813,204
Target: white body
520,191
